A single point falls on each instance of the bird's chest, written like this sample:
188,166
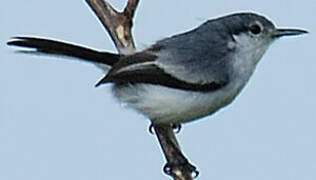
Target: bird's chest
244,63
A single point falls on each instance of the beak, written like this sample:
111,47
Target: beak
288,32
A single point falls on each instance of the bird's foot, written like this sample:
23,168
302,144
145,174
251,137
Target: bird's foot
176,127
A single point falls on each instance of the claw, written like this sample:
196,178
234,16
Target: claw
151,129
177,128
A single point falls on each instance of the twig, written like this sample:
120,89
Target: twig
119,26
177,165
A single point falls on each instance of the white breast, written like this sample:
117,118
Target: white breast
165,105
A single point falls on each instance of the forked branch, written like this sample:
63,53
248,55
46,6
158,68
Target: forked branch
118,24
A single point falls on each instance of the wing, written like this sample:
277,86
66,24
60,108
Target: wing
198,60
202,55
142,68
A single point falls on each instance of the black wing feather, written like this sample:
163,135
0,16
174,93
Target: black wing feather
151,74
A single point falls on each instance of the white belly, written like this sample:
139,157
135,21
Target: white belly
167,105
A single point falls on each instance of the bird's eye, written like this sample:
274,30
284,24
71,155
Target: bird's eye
255,29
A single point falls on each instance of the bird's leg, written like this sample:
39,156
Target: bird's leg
177,164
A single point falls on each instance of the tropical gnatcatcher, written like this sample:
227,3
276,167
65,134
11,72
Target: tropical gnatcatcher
184,77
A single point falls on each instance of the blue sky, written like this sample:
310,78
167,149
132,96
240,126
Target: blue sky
55,125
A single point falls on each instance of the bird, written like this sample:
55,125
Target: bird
184,77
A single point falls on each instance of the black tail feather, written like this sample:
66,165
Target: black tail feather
54,47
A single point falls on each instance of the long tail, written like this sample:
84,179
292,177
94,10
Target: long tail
53,47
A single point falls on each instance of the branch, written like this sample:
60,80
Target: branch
177,165
119,26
